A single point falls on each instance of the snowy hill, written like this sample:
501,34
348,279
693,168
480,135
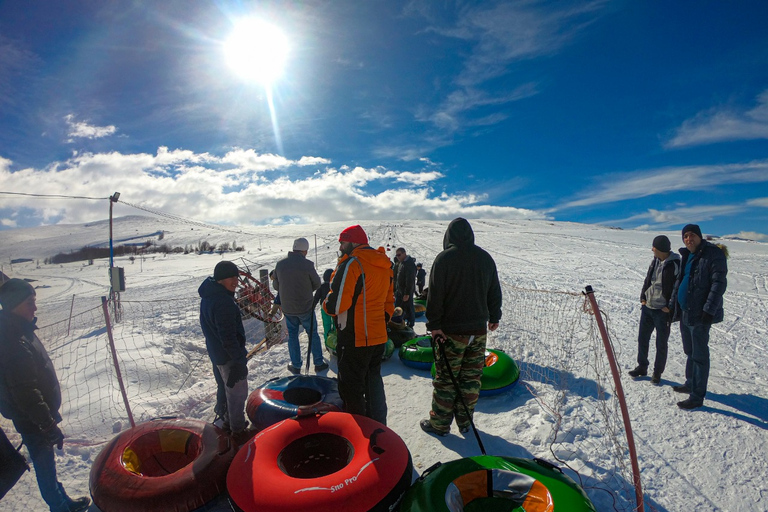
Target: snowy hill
711,458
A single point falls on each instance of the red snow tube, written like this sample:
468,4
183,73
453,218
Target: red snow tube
170,465
323,463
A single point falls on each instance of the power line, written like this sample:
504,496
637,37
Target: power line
58,196
185,220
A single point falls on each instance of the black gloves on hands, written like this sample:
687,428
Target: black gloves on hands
236,374
706,318
54,436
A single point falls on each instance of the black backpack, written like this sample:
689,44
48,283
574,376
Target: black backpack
12,464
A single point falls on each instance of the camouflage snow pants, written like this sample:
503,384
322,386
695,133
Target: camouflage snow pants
466,361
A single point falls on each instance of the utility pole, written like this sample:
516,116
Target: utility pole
112,295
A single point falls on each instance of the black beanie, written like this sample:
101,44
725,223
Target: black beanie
327,275
692,227
225,269
661,243
14,292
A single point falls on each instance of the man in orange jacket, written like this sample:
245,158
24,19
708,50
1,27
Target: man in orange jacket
361,300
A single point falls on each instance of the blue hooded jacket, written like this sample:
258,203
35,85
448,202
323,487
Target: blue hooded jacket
221,323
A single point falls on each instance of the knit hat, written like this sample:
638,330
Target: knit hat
692,227
354,234
300,244
225,269
14,292
662,243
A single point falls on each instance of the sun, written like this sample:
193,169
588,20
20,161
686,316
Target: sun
256,51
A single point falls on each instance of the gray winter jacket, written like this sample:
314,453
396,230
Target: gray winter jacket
296,280
659,282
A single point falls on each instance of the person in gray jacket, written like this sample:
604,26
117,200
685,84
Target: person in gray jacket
655,298
296,280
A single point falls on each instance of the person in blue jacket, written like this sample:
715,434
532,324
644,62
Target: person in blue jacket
222,326
698,303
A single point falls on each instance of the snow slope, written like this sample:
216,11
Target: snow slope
712,458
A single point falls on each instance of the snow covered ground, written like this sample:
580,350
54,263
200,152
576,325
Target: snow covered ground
711,458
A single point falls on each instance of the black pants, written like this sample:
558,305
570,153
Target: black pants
360,384
651,319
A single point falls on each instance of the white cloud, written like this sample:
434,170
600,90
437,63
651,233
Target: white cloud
623,186
724,124
225,190
749,235
761,201
83,130
654,219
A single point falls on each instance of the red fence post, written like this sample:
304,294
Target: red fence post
114,359
620,395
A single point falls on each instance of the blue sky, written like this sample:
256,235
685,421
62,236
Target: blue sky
631,114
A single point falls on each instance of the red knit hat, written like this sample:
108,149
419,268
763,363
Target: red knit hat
354,234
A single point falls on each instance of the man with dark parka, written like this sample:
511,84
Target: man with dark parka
463,304
222,326
405,285
655,300
698,303
30,395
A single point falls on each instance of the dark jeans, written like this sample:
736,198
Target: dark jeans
651,319
360,384
409,313
41,453
696,348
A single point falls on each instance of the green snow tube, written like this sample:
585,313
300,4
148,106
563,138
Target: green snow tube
331,341
500,373
417,353
495,484
420,300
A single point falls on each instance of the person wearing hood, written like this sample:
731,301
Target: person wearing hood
30,394
655,300
463,305
697,301
421,278
405,281
361,300
222,326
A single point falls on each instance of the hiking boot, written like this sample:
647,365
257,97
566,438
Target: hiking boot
293,369
656,379
427,427
690,403
78,505
681,389
638,372
321,367
464,429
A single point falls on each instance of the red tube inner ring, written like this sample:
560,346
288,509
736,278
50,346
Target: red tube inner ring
315,456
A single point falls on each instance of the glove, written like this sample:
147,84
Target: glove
236,374
54,436
706,318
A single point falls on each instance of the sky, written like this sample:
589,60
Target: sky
636,115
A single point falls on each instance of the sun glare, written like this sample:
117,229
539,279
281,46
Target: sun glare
256,51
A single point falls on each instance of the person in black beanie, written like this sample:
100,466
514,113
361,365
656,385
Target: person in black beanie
655,300
30,395
697,302
222,326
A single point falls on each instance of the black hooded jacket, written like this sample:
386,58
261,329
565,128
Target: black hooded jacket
464,290
29,389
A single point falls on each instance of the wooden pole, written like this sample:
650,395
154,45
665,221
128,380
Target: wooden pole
105,307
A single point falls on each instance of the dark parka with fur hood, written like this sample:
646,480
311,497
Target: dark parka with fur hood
464,291
706,284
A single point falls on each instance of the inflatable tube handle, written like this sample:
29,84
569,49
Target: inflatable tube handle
547,464
429,470
372,441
